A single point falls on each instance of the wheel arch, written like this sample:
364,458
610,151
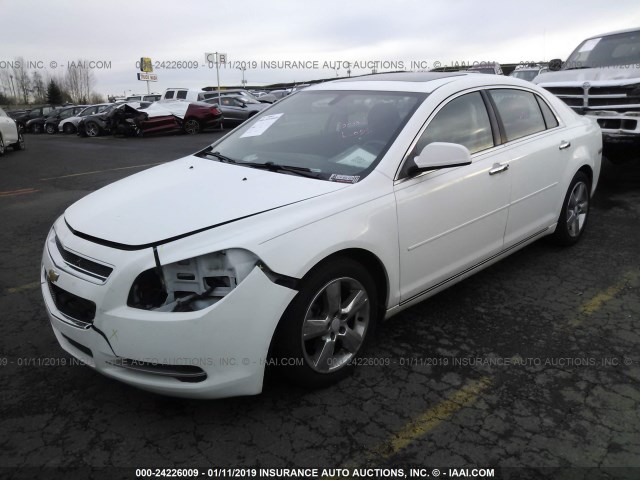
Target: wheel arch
371,262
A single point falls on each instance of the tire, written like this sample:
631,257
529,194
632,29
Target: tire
575,211
327,325
68,128
50,129
37,128
19,145
2,147
92,129
192,126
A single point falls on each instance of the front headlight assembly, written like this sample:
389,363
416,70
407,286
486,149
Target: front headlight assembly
192,284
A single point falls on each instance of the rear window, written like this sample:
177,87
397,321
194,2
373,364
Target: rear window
182,94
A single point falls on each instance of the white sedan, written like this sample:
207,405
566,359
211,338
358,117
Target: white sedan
285,242
10,135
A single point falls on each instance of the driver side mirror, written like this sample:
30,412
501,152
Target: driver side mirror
555,65
442,155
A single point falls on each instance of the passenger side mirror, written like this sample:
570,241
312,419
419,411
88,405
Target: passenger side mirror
442,155
555,65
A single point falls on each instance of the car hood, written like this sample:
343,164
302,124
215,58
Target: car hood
184,197
621,74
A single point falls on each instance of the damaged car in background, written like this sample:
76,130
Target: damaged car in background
144,118
285,242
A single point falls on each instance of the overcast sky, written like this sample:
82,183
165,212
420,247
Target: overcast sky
118,33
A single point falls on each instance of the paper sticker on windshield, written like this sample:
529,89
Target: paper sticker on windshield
261,125
358,157
344,178
589,45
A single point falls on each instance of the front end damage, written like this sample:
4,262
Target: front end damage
189,328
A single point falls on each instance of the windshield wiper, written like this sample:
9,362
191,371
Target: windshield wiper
272,167
276,167
577,68
218,155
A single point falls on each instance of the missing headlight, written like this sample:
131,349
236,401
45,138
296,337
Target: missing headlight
191,284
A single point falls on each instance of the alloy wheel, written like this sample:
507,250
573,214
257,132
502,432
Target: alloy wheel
335,324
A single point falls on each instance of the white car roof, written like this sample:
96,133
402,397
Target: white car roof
426,82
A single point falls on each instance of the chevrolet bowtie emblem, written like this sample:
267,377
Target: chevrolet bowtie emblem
53,276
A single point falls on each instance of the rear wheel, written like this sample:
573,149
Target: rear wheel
327,325
37,128
1,146
92,129
68,128
192,126
50,128
575,211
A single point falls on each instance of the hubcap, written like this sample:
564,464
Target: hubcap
92,130
577,209
335,324
192,127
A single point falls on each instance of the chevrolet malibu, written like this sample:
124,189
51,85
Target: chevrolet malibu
285,242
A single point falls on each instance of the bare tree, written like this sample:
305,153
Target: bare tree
5,84
39,87
22,79
79,81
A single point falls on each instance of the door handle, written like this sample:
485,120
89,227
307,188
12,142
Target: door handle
499,168
564,145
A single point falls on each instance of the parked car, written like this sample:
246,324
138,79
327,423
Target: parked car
149,97
69,125
52,121
236,109
188,94
287,240
492,68
145,118
30,114
600,79
125,119
10,135
279,94
528,72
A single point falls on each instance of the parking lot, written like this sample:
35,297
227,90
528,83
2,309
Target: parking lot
531,367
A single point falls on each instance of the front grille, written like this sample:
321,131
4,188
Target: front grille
616,98
82,264
71,305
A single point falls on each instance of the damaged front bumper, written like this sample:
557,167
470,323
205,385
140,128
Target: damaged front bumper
214,352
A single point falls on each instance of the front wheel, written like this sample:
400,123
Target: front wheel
327,325
37,128
575,211
192,126
69,128
1,146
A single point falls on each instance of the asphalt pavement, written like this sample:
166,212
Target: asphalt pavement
529,369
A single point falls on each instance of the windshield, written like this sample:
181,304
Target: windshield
612,50
335,135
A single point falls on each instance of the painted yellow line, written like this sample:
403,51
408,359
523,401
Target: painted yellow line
22,191
103,171
433,417
596,302
419,426
28,286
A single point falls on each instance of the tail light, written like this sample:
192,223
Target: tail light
215,111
